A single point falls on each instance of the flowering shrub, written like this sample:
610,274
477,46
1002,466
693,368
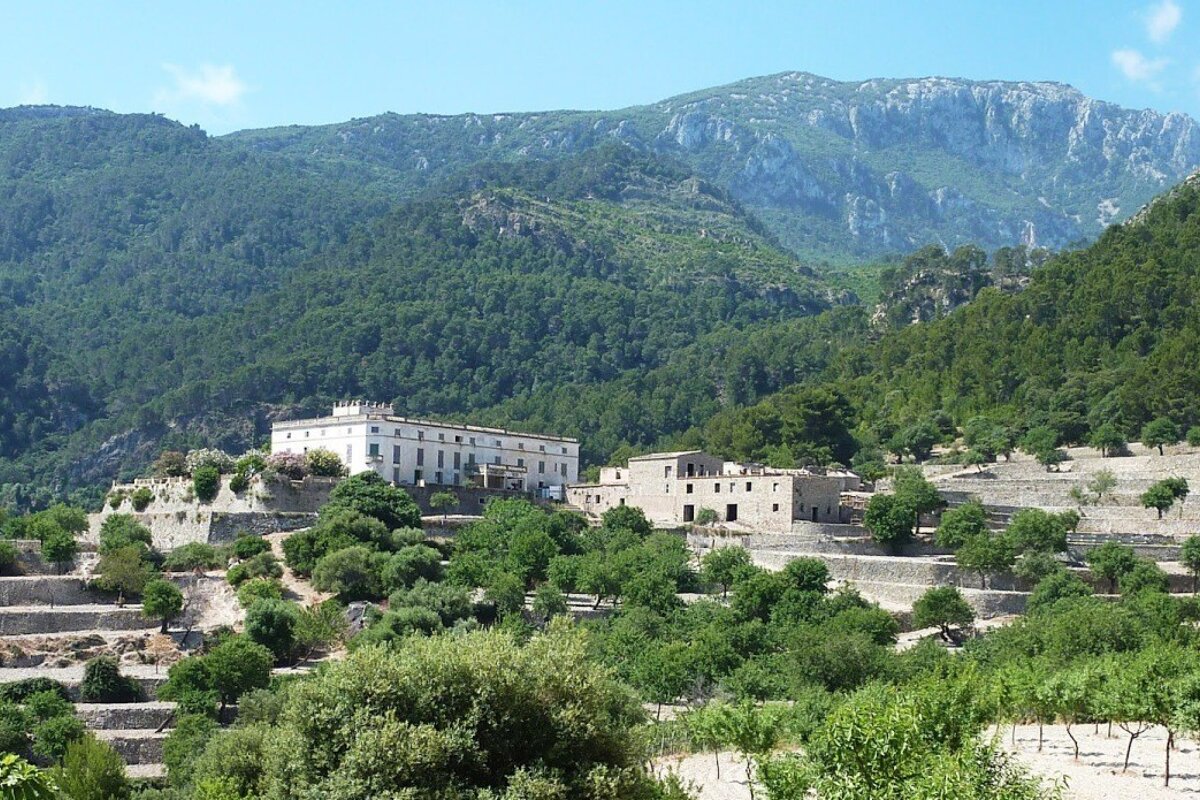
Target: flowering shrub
208,457
289,465
325,462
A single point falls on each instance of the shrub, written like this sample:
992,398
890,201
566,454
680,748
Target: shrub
1193,436
324,462
259,589
209,458
91,770
351,573
140,498
942,607
335,530
123,571
115,498
249,546
272,623
507,593
320,625
206,482
170,464
252,463
288,464
122,530
59,547
53,736
45,705
451,603
236,759
706,516
191,687
193,555
410,564
184,745
549,601
1054,587
15,723
260,706
104,683
239,483
263,565
8,556
19,691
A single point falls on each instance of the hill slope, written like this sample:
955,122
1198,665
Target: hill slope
835,169
158,286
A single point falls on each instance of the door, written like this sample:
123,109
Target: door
814,513
731,512
689,513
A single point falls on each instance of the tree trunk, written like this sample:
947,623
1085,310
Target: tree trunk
717,758
596,605
750,774
1128,750
1073,741
1041,726
1160,449
163,629
1170,741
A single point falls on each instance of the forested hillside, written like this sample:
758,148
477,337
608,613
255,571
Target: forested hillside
162,287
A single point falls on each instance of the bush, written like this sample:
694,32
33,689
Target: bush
206,482
104,683
184,745
59,547
1054,587
451,603
115,498
46,705
410,564
272,623
191,687
191,556
259,589
123,571
239,483
263,565
8,556
290,465
260,706
91,770
351,573
140,498
249,546
398,624
325,463
15,723
53,736
209,458
335,530
1193,436
20,691
170,464
236,759
122,530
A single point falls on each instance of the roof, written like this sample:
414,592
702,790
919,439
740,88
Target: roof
676,454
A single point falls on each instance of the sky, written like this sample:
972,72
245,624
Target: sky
233,65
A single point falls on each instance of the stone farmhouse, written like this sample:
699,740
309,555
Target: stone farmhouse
419,452
672,488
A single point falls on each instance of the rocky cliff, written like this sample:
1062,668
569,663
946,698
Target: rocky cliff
834,168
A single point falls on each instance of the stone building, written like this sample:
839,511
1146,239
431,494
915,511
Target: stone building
419,452
673,488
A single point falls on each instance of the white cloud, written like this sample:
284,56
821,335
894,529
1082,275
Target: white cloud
1162,20
1136,67
209,84
33,94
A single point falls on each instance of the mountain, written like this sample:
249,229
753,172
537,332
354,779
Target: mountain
836,170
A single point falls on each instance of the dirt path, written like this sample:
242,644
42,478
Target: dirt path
698,772
299,589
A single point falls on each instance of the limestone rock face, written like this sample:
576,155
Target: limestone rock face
836,167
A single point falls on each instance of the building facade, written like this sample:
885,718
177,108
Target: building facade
418,452
673,489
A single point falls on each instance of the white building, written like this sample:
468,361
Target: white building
369,436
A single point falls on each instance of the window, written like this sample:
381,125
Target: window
774,487
420,436
666,488
441,437
458,439
472,441
307,434
542,447
373,449
622,501
396,433
541,467
470,458
437,477
349,453
564,451
774,506
563,469
732,487
667,471
496,460
395,474
749,486
520,445
441,459
520,462
420,456
691,469
417,475
458,460
688,489
374,429
395,454
717,488
289,436
499,443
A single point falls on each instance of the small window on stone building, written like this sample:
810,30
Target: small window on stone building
689,488
749,486
774,487
717,488
667,471
774,506
374,429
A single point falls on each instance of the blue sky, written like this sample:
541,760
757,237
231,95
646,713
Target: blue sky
232,65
